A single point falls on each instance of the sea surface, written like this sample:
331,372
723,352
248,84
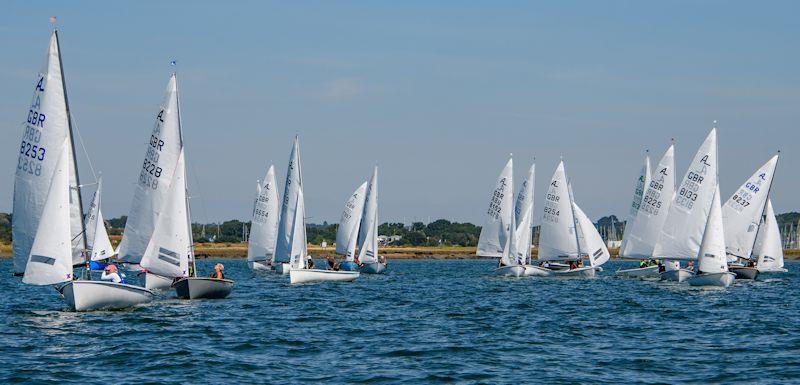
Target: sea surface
424,322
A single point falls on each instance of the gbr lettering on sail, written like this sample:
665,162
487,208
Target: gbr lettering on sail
31,150
151,171
687,194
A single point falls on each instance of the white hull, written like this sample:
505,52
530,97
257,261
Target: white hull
373,268
639,272
771,270
510,271
259,265
580,272
203,287
536,271
714,279
95,295
282,268
676,275
316,275
157,282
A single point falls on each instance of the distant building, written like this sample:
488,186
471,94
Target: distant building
384,240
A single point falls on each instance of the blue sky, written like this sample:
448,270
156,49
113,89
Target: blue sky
436,93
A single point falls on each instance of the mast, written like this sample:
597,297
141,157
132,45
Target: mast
74,156
193,272
574,218
764,209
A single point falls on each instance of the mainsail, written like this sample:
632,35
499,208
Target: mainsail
686,221
97,236
495,231
523,212
347,233
264,228
291,191
742,212
368,232
642,233
155,177
557,237
638,194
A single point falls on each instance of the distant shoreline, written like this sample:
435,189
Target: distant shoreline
239,251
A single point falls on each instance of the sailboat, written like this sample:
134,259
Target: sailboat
264,228
712,265
299,270
371,262
523,215
768,249
291,191
47,196
683,229
651,201
99,244
347,233
742,215
499,228
567,234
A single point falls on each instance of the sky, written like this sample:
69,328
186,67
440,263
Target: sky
436,93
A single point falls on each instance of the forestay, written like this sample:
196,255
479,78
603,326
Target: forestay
50,259
591,242
683,229
742,212
264,227
641,237
638,194
167,254
155,177
347,233
368,233
46,129
768,249
523,212
557,237
292,188
299,245
711,258
494,234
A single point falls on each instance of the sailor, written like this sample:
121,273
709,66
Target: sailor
217,274
309,262
643,263
110,274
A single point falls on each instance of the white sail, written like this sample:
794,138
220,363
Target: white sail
292,187
683,229
523,212
46,128
495,231
155,177
347,233
711,258
299,245
167,253
591,242
264,227
50,259
769,250
97,236
643,232
522,237
368,232
638,193
742,212
557,234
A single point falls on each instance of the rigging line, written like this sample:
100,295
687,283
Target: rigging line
83,146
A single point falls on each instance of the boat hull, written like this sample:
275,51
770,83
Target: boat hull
510,271
259,265
676,275
202,288
283,268
536,271
103,295
317,275
639,272
724,279
157,282
580,272
744,272
772,270
373,268
348,266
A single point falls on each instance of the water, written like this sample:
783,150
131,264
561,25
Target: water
425,322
